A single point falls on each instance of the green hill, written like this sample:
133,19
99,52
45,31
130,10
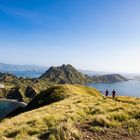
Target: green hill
65,74
81,113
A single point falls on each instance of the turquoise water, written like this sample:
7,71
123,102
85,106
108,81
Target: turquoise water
129,88
6,106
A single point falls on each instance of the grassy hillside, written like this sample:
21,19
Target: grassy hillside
84,115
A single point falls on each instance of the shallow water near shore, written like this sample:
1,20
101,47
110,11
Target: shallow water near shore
6,106
128,88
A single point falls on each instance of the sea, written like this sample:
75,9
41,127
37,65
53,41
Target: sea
7,105
127,88
29,74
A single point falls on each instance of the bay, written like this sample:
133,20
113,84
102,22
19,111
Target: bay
6,106
128,88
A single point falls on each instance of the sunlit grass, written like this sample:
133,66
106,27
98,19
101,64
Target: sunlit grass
58,121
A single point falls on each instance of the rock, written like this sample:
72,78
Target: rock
15,94
30,92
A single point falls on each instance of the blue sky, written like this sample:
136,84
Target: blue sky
101,35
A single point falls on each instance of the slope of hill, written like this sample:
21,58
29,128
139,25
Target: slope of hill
65,74
109,78
54,94
58,93
84,115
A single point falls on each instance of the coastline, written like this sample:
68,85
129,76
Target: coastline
14,101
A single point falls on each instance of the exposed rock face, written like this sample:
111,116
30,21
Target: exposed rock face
30,92
15,94
65,74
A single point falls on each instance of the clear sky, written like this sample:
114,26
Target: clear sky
101,35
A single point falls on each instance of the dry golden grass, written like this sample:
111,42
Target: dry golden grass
59,120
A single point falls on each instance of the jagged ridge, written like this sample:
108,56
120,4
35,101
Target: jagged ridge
65,74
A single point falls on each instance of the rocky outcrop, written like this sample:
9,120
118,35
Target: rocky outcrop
30,92
15,94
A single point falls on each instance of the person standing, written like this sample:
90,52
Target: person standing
113,93
106,93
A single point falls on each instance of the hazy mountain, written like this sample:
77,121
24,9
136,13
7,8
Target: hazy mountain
13,67
109,78
32,71
93,73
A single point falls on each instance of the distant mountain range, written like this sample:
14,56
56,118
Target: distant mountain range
62,74
12,67
32,71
